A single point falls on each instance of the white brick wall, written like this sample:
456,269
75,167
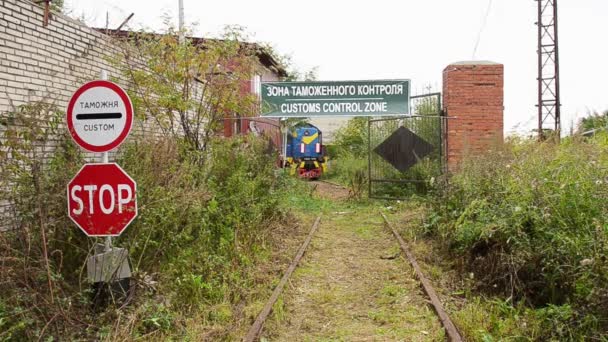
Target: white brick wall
38,62
50,62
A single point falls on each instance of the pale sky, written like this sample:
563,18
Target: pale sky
386,39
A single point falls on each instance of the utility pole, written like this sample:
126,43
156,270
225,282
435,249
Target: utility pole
181,21
548,70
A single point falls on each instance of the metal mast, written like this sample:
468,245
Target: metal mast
180,22
548,69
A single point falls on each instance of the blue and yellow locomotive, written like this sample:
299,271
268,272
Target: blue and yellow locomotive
305,151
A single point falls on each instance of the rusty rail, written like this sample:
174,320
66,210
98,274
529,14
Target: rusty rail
256,328
450,329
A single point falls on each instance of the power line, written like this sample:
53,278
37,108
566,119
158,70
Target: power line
483,26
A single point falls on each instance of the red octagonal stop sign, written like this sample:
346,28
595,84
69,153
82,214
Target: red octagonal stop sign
102,199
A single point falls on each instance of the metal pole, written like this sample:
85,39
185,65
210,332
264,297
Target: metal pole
181,21
103,74
558,104
442,130
549,102
285,129
369,158
540,71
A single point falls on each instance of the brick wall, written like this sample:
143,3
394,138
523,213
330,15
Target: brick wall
473,100
50,63
39,62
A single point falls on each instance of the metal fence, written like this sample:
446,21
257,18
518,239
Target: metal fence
406,154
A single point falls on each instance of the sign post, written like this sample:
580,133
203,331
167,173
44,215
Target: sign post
102,198
336,98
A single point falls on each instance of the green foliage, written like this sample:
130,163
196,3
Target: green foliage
12,323
207,206
39,255
593,121
351,140
427,105
349,171
156,318
187,88
199,229
58,5
348,157
495,320
530,221
301,196
200,225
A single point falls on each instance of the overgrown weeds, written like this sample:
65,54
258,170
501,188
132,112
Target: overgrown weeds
529,221
193,246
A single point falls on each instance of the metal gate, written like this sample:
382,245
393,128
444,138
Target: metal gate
405,154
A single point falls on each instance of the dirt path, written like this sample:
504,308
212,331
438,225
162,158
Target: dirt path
330,191
353,285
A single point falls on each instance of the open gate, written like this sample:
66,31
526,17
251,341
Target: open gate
406,153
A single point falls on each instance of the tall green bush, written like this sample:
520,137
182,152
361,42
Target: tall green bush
199,230
530,221
351,140
594,121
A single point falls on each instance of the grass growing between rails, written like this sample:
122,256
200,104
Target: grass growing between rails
352,284
208,222
528,225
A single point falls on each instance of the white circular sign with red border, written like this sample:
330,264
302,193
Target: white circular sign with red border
100,116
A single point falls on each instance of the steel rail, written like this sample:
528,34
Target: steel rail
257,326
450,329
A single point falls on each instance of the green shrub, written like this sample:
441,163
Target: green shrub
201,226
530,221
345,166
352,139
593,121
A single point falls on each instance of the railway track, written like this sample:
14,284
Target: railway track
257,326
451,332
450,329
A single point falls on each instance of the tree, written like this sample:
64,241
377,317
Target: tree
352,138
593,121
58,6
187,88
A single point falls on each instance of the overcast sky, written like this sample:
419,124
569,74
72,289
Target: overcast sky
384,39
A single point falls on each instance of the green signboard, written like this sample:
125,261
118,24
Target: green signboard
338,98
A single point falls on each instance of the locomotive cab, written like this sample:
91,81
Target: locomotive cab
305,152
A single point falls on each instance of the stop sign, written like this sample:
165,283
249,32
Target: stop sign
102,199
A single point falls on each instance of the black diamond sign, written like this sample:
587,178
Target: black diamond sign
403,149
